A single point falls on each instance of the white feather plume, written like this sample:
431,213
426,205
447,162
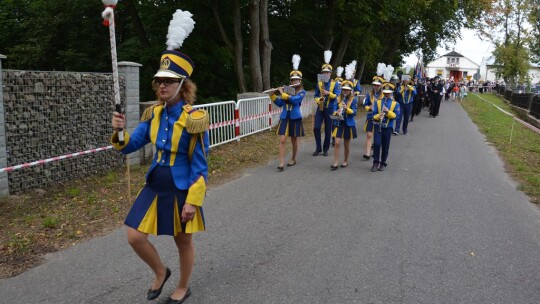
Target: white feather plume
349,70
109,2
180,27
388,71
380,68
339,71
295,61
327,56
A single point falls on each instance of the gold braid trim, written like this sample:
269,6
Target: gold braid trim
147,114
193,143
197,120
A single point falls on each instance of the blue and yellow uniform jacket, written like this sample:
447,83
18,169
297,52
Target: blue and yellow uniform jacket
405,94
369,101
335,90
357,88
350,111
393,112
290,104
166,129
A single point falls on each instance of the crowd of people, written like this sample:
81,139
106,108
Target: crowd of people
390,105
171,201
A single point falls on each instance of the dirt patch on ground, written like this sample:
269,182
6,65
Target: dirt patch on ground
45,220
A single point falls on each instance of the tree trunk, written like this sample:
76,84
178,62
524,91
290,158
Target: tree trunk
329,28
360,72
221,28
266,45
238,48
137,24
342,48
392,44
254,57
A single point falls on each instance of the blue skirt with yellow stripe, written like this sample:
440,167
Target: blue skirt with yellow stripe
368,125
344,131
158,207
291,127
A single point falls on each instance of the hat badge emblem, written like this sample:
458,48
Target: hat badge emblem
165,63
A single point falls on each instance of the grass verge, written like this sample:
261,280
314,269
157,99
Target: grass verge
518,146
43,221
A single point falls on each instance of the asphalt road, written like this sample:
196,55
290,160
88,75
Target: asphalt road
443,224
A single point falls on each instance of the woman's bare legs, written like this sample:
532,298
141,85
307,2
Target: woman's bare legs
294,142
282,141
146,251
186,252
369,140
346,152
336,151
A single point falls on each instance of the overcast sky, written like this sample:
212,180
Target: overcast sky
469,46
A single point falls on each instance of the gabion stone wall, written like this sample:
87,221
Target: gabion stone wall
49,114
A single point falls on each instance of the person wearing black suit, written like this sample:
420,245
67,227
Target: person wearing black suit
418,98
437,90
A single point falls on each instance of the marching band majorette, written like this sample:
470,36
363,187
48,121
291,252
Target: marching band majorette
345,111
405,92
326,93
290,120
385,111
171,201
338,79
374,95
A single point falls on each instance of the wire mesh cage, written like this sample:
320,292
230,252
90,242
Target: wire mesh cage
49,114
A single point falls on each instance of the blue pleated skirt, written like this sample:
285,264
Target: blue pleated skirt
344,131
368,125
158,207
290,127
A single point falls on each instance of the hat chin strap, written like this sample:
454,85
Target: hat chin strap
176,93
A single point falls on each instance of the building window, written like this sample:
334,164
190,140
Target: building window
457,60
448,60
465,73
453,60
440,72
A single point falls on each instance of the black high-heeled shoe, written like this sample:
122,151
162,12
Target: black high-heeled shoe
154,293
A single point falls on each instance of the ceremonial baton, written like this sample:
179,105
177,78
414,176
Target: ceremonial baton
108,20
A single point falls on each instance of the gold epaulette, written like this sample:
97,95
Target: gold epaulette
197,120
147,114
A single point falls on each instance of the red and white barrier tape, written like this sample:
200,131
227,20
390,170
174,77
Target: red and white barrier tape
211,127
524,123
48,160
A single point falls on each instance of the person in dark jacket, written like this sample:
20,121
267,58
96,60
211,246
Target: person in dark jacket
437,91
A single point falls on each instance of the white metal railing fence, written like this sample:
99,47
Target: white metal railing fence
254,115
222,121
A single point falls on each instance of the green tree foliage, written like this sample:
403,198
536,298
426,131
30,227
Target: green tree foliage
506,27
513,62
534,20
52,35
68,35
